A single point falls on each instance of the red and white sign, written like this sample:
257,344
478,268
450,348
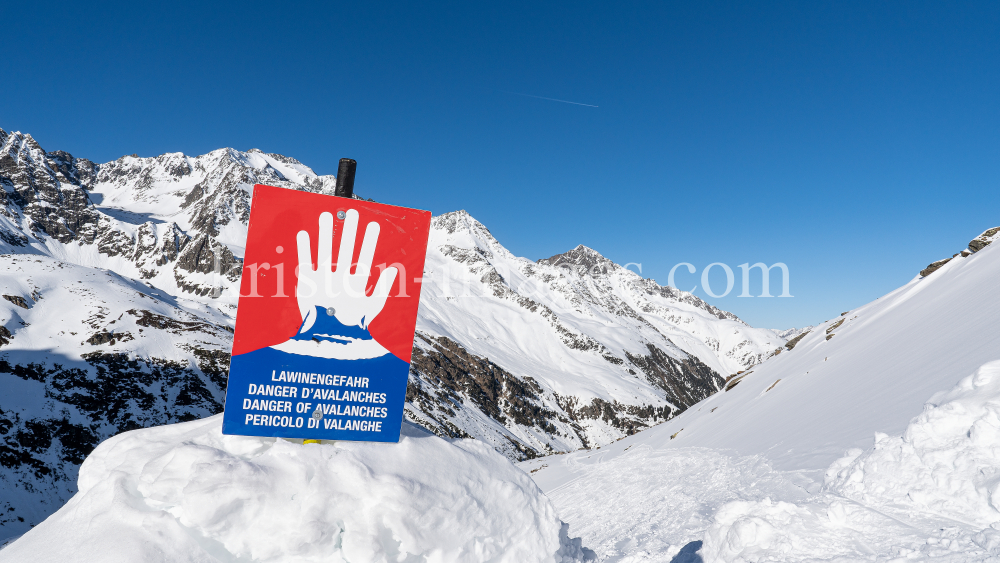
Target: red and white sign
327,311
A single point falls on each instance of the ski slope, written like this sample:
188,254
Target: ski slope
876,437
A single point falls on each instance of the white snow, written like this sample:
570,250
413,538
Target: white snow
69,303
870,440
815,455
947,461
524,327
942,474
185,492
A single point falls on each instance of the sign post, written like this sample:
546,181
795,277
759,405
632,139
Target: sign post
322,342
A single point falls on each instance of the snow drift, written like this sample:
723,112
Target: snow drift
185,492
947,461
945,466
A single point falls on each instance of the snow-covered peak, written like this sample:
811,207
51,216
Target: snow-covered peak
18,146
461,222
527,357
583,260
791,333
458,229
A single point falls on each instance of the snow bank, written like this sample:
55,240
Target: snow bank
185,492
891,499
947,461
768,531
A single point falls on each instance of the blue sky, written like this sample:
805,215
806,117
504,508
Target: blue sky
854,141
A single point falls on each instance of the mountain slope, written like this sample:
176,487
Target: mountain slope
782,466
869,370
605,350
86,354
137,262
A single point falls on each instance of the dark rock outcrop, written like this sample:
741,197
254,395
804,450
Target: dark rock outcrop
17,300
685,382
975,245
109,393
446,379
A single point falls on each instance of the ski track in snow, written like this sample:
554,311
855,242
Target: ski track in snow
648,504
690,505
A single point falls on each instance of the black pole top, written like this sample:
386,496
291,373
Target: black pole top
345,177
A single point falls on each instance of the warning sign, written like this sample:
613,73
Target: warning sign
327,310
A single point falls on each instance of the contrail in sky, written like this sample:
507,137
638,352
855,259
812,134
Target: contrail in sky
550,99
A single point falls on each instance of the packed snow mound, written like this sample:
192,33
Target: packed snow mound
944,467
947,461
772,531
185,492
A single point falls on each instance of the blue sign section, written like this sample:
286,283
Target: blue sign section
273,393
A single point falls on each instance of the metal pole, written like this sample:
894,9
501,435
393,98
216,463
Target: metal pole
345,177
345,188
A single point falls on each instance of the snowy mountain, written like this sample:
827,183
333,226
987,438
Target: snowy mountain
871,437
120,283
789,334
599,351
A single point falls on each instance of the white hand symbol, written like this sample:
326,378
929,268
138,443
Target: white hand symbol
339,292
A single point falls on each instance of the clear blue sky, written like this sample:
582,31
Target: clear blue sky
856,142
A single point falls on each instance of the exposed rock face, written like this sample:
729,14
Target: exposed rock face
583,260
983,240
17,300
975,245
42,450
685,382
98,355
45,192
791,343
933,267
446,377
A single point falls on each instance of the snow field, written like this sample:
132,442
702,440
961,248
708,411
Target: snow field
636,503
929,494
940,477
185,492
700,505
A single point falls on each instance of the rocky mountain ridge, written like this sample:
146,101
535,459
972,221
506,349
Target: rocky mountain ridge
975,245
120,282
